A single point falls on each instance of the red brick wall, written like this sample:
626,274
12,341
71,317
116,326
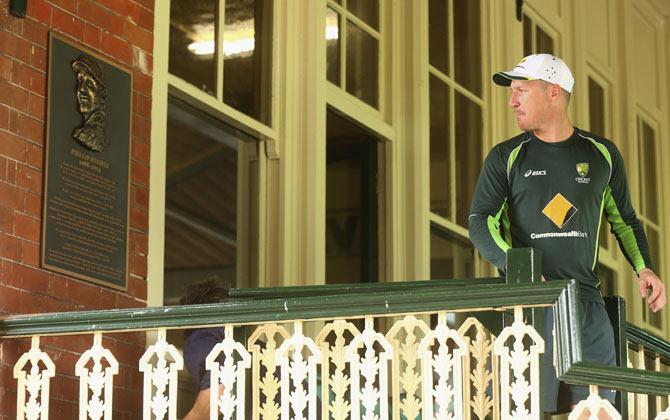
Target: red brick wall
122,31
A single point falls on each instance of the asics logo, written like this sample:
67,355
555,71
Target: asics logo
531,172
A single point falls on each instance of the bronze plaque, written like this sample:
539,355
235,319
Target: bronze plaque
85,228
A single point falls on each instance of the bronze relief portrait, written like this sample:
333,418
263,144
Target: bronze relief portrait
91,96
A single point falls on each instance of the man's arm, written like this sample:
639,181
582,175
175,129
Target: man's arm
488,210
630,234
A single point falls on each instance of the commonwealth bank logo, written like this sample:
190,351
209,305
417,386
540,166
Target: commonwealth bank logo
582,169
559,210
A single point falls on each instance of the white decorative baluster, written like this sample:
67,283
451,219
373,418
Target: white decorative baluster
372,367
36,382
338,382
449,370
163,377
665,415
519,360
263,345
98,381
230,375
295,372
479,376
406,384
593,404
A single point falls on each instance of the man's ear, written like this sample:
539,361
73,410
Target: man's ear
556,92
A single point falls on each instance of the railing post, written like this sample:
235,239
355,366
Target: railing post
524,265
616,310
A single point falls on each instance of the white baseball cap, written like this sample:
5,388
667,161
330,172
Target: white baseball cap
538,67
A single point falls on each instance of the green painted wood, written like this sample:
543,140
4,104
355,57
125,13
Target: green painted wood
338,289
524,265
620,378
616,310
456,298
651,343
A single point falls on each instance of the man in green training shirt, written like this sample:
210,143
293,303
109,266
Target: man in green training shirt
547,188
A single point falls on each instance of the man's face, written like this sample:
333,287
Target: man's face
88,91
529,99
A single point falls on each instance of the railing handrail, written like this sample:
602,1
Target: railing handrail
457,297
650,342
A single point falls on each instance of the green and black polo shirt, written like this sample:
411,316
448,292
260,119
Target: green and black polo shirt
551,196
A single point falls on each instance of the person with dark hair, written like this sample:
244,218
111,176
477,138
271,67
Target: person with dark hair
200,342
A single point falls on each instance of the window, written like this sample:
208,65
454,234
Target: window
352,203
210,171
353,38
456,129
535,39
650,204
224,51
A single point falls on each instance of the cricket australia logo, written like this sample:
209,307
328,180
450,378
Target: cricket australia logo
582,171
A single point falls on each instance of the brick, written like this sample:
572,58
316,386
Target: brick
10,247
52,304
140,37
35,155
141,127
138,242
6,220
119,7
12,146
69,5
13,25
84,294
26,278
137,287
30,254
60,409
29,178
15,46
143,16
31,303
3,168
139,173
141,151
138,265
10,350
5,67
107,299
67,23
9,301
115,25
127,302
38,83
37,107
11,196
93,14
21,74
33,205
92,36
143,105
26,227
58,285
40,10
15,97
139,196
142,83
138,219
36,32
30,128
4,117
38,58
116,48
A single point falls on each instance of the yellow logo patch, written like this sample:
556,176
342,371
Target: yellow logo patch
583,169
559,210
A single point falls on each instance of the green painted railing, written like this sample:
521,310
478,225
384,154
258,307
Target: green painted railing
521,288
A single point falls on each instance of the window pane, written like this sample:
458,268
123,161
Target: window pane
469,141
543,42
367,10
247,48
467,45
333,46
362,64
648,172
438,35
351,203
440,162
596,108
607,278
451,257
527,36
201,206
192,47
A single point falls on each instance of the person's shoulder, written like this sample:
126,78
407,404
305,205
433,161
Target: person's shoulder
609,144
506,147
